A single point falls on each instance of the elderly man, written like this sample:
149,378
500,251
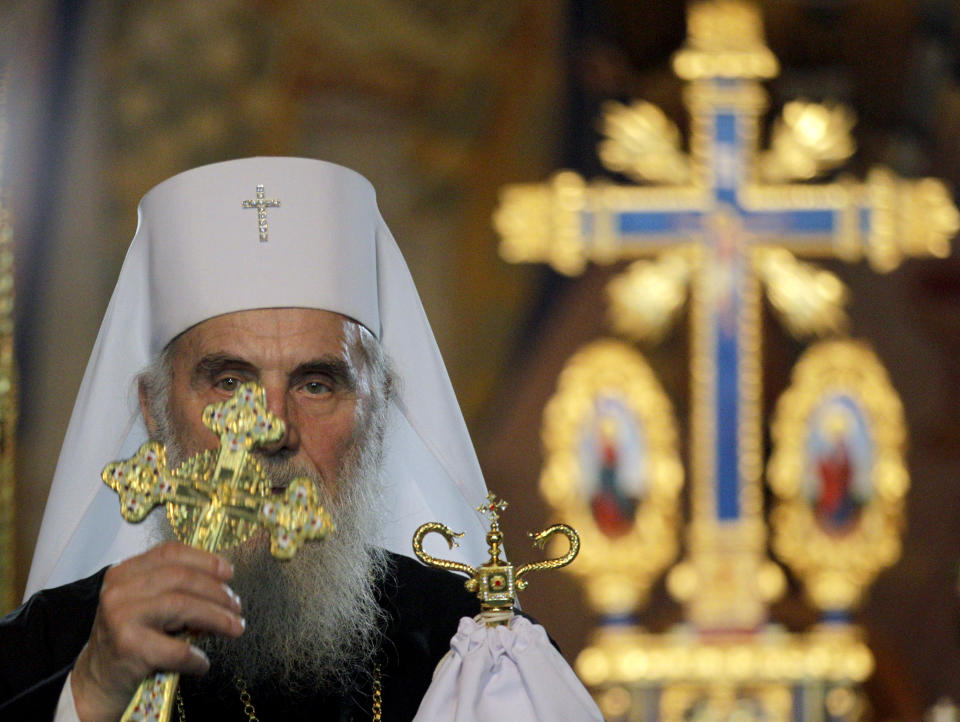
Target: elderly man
280,271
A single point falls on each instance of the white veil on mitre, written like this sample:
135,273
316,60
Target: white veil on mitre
196,254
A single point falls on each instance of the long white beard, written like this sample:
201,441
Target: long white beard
313,622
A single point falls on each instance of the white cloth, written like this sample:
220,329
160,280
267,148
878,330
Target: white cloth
197,254
66,706
508,672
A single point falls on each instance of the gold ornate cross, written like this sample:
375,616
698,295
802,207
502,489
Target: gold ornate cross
261,204
491,510
215,500
722,223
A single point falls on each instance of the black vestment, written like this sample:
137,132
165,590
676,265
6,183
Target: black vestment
40,641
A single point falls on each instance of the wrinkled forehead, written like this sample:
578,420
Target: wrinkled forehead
214,245
257,333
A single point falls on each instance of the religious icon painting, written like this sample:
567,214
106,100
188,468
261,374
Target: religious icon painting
838,472
613,471
839,457
612,465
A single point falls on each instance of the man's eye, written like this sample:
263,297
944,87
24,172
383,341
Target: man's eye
317,388
228,383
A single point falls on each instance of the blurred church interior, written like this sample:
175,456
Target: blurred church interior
442,105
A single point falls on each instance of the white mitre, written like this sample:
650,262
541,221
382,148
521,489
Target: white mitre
198,253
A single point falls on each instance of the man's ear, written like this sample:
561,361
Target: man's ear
143,393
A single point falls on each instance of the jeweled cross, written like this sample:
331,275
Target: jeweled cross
724,219
492,507
215,500
218,499
261,204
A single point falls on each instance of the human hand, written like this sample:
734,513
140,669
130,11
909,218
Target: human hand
143,602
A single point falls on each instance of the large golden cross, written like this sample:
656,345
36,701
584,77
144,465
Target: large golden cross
725,222
216,500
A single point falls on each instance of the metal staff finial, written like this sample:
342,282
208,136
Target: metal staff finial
495,582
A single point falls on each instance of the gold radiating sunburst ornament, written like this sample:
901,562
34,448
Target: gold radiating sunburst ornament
807,140
642,143
808,300
647,298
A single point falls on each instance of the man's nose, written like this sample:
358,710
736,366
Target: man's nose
277,405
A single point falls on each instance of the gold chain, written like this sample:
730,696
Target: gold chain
376,710
183,715
245,700
377,694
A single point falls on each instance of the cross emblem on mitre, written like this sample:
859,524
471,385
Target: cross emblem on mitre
261,203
